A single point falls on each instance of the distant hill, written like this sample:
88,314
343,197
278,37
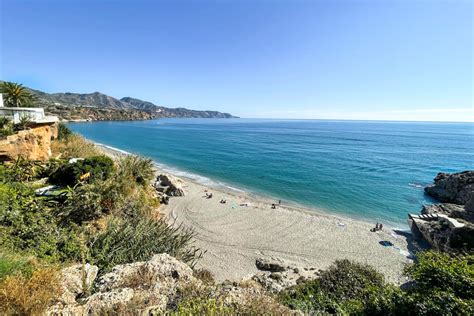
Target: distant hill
98,106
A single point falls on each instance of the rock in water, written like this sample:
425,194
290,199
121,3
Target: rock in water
455,188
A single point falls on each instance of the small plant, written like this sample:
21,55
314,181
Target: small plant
204,275
6,126
63,131
23,124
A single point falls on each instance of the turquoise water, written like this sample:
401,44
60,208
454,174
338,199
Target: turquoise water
369,170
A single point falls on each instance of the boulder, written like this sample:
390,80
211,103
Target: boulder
456,188
271,264
169,185
161,272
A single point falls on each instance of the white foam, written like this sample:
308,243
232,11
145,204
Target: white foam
114,149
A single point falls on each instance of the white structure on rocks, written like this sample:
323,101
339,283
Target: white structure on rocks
35,115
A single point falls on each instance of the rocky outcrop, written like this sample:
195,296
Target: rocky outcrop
166,185
277,274
456,188
33,143
150,288
77,280
154,282
448,226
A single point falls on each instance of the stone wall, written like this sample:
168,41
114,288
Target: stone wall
33,143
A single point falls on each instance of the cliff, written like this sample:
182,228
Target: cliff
448,226
33,143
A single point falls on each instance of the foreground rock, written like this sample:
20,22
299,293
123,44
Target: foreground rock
154,282
150,288
448,226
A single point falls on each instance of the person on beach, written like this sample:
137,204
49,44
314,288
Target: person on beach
279,202
273,206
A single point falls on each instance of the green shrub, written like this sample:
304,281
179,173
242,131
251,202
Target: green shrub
63,131
12,263
437,271
137,239
443,285
138,169
28,224
84,203
89,169
346,287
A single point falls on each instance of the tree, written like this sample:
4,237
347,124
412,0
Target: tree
15,95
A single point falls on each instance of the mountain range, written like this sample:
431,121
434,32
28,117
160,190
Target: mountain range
98,106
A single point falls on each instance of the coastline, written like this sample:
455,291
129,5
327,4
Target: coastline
234,234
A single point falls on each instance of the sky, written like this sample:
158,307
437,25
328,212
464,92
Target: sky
331,59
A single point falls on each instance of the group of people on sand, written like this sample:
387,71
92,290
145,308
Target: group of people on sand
208,195
377,227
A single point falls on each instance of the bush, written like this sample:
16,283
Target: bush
28,224
20,170
63,131
137,169
443,285
84,203
138,239
29,295
12,263
90,169
436,271
346,287
6,126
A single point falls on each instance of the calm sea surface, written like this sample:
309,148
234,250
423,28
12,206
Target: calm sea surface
370,170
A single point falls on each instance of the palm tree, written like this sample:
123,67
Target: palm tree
15,95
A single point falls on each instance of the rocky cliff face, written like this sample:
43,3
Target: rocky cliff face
449,226
454,188
33,143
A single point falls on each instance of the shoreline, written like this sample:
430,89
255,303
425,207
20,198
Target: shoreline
260,196
233,235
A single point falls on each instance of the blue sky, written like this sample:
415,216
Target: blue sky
380,59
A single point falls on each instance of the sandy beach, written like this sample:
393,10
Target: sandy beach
234,234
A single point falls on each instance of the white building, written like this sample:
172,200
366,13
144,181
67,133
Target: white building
35,115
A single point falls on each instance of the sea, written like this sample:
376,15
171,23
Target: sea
369,170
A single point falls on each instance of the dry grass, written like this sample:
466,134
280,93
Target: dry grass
74,146
143,278
204,275
20,295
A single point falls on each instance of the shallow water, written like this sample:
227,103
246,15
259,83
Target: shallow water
370,170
